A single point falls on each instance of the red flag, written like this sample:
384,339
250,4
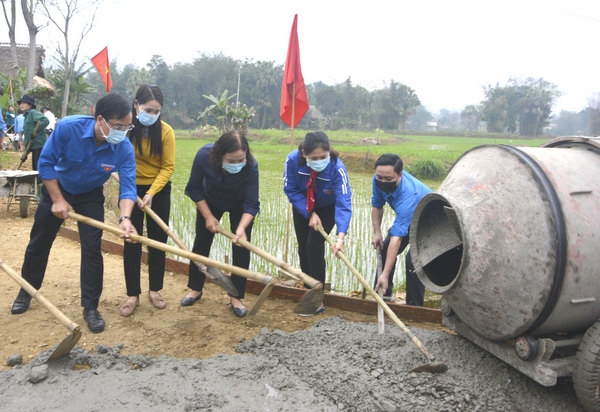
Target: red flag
294,101
103,66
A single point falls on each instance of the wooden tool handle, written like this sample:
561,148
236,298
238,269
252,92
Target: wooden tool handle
379,299
310,281
170,249
37,295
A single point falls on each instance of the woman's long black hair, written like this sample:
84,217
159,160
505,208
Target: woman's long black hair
144,94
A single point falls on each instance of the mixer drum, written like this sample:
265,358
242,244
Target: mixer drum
511,239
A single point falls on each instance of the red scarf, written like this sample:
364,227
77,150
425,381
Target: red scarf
311,191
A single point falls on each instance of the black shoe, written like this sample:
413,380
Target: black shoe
94,320
239,312
187,301
21,303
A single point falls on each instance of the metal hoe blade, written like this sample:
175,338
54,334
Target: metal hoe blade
310,302
264,294
68,343
219,278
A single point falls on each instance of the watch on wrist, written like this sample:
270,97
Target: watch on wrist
122,218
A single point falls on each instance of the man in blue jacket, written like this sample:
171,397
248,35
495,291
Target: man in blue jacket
75,162
402,192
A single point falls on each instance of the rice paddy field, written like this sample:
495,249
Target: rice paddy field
273,230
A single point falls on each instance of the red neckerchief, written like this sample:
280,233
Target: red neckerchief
311,191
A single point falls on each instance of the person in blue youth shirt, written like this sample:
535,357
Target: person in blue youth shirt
316,183
2,130
18,128
402,192
224,178
74,164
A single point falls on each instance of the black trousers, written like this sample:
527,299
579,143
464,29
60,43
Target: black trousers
35,157
311,244
132,252
203,242
44,231
415,291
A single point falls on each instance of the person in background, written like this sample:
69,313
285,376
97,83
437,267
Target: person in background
10,125
51,119
154,145
316,183
80,156
2,130
402,192
10,119
18,128
224,178
34,129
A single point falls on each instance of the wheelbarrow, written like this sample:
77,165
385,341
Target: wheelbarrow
19,185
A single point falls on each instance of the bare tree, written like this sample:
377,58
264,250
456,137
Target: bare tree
61,14
29,8
11,22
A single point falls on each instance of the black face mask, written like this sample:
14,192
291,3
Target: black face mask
387,187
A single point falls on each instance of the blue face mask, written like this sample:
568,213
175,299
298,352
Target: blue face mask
318,165
233,168
147,119
114,136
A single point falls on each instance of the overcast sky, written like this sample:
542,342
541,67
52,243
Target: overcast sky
446,50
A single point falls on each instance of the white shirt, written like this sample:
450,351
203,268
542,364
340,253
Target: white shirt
51,118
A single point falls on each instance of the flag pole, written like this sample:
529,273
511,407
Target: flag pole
294,102
289,205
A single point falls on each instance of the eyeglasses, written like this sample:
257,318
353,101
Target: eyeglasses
119,127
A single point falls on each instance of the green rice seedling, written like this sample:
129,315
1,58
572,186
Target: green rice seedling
427,169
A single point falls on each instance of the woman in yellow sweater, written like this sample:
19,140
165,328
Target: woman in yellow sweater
154,145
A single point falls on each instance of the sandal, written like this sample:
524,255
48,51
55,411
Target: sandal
129,306
157,301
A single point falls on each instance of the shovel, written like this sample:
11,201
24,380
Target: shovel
214,274
429,367
310,302
68,343
258,277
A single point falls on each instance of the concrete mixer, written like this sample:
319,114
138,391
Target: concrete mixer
511,240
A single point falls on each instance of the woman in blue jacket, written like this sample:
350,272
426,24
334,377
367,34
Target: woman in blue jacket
224,178
316,183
